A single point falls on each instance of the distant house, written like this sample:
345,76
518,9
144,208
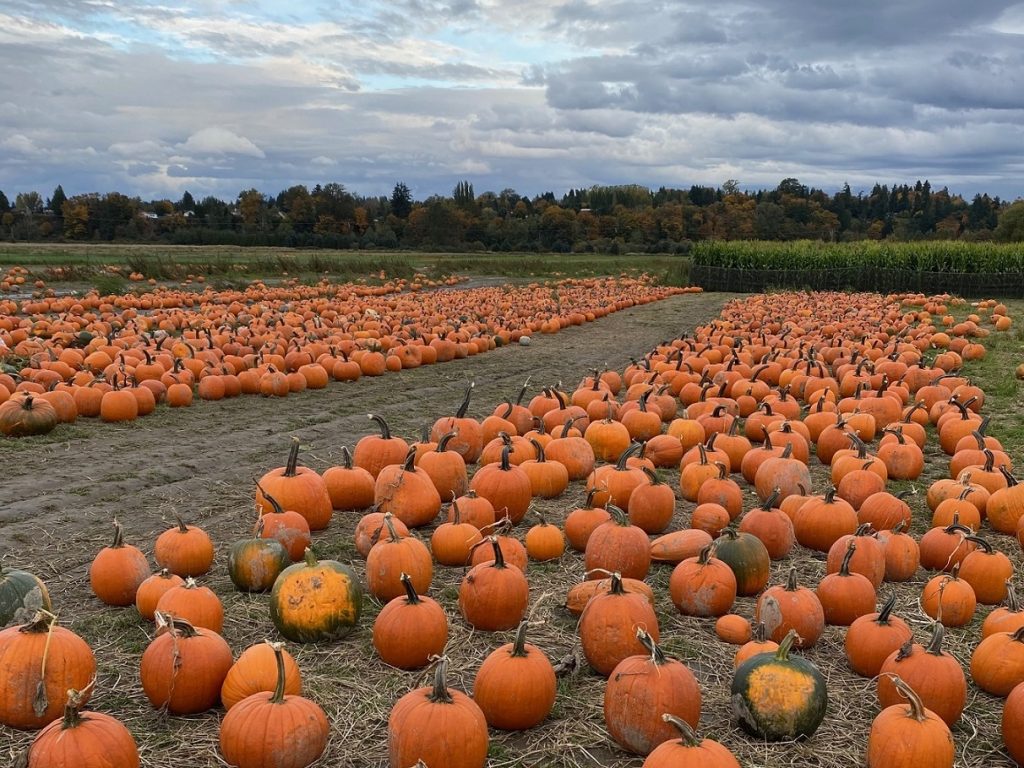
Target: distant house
148,215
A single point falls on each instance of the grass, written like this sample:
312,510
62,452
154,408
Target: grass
234,266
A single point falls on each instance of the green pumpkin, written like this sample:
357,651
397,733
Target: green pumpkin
777,697
255,564
748,558
21,595
313,601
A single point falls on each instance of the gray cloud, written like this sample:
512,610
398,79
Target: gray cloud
545,94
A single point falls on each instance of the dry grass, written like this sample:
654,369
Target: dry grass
357,691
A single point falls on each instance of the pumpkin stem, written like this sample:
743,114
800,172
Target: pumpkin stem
916,710
499,556
440,695
182,528
985,546
616,587
278,509
293,459
883,615
278,697
830,495
844,568
461,413
519,644
657,655
620,517
687,737
782,654
760,632
771,501
589,503
179,627
541,458
309,558
385,430
791,581
409,464
392,533
934,646
410,591
1011,597
706,553
442,443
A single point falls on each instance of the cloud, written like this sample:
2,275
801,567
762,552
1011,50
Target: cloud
540,95
220,141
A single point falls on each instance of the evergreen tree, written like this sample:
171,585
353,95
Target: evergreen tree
5,204
463,195
56,202
401,201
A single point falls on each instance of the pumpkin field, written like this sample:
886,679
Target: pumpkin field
789,522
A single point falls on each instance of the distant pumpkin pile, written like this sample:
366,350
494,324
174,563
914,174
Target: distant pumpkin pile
858,383
120,357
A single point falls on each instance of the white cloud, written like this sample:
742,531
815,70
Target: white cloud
19,143
220,141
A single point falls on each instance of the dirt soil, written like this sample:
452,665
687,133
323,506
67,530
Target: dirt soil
60,493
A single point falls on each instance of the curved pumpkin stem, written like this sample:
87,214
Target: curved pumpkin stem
657,655
385,430
410,591
519,644
442,443
278,697
464,407
883,615
440,694
917,710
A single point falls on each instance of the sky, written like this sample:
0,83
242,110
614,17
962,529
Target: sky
218,96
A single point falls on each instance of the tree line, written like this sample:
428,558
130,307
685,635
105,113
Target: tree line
597,219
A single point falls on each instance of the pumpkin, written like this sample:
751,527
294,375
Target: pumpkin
935,675
771,525
872,637
791,607
369,529
152,589
902,554
410,629
505,485
581,522
438,726
580,594
652,505
679,545
1013,708
287,526
615,483
997,664
446,469
374,452
515,686
1008,618
734,629
407,492
22,594
548,479
297,488
28,415
279,729
452,542
748,558
468,439
608,625
494,595
949,599
117,571
544,541
688,751
255,564
758,643
390,557
475,510
642,686
846,596
820,522
617,545
184,550
703,585
184,668
868,559
316,601
256,671
909,735
777,697
987,571
83,740
39,662
350,487
197,605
